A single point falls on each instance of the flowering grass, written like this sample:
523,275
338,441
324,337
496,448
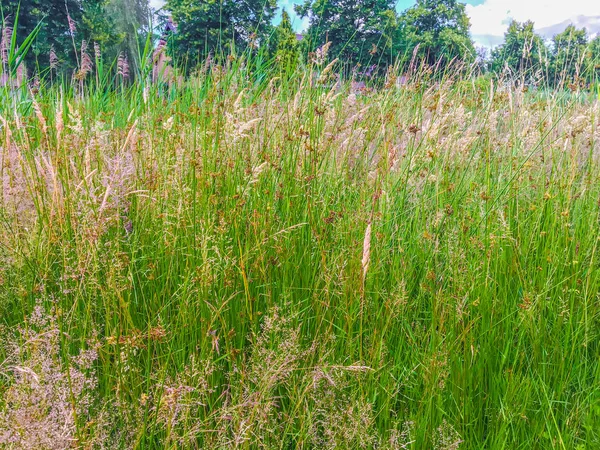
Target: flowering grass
248,263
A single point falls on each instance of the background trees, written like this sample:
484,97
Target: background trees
54,35
112,26
207,26
523,52
131,22
285,45
440,29
568,56
360,32
593,61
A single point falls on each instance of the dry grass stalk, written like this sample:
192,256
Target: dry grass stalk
366,255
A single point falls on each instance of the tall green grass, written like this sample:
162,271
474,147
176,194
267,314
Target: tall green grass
274,263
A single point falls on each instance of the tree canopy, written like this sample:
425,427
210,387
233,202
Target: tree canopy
440,30
523,52
568,55
366,36
111,26
60,19
208,26
285,45
359,32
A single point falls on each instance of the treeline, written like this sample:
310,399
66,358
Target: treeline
71,36
367,36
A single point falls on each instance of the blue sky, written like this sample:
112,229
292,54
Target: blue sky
490,18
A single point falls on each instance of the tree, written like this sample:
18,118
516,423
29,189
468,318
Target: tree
211,26
96,26
440,29
131,23
523,51
593,60
111,26
359,32
285,45
568,55
59,17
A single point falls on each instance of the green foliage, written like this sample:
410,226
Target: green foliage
113,26
131,25
359,32
269,264
593,59
13,50
211,26
77,36
97,26
286,48
54,33
440,29
523,53
569,52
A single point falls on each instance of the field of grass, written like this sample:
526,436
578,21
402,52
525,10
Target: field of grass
240,263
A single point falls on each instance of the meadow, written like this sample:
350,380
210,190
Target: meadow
249,262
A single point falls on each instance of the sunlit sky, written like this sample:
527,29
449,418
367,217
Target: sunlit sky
490,18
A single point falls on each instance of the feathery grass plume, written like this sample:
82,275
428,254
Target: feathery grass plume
206,67
18,122
123,66
325,74
39,114
247,126
161,67
53,59
256,171
85,63
366,254
97,51
130,135
237,104
412,66
44,399
446,437
5,44
320,55
72,25
59,122
7,134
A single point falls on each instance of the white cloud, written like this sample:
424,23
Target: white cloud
490,19
157,3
